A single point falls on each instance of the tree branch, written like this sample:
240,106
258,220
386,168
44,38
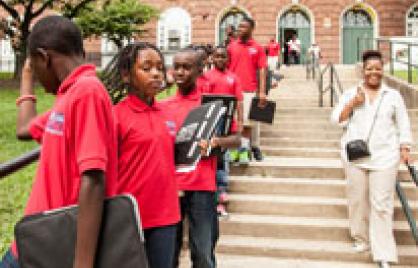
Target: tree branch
42,8
13,12
73,12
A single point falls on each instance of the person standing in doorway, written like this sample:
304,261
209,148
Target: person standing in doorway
247,60
273,52
294,50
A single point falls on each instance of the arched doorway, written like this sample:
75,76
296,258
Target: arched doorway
232,17
412,22
358,33
295,21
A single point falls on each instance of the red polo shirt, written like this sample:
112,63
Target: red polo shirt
203,177
273,49
224,82
244,60
77,135
146,161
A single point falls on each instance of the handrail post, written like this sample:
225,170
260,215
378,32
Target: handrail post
321,89
407,210
409,64
332,85
358,49
391,65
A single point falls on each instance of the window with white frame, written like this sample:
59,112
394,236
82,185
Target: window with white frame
412,22
174,29
7,60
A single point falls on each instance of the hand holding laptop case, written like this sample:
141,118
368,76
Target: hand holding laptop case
47,239
265,114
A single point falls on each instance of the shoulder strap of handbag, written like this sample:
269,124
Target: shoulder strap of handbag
375,117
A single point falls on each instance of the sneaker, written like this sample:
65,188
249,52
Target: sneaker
223,198
233,155
243,157
384,264
258,155
360,247
221,210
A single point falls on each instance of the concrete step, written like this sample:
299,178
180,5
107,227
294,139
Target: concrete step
317,134
333,188
300,142
282,227
321,111
300,206
237,261
304,249
308,152
284,167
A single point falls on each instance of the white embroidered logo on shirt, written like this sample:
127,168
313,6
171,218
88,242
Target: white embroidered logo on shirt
230,80
55,124
252,50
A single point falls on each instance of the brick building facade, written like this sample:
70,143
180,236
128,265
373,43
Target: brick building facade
335,25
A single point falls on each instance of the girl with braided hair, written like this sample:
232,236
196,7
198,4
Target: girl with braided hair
145,146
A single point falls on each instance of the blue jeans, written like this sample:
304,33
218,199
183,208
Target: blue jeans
159,245
9,261
200,208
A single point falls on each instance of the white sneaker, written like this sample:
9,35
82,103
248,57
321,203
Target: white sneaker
360,247
384,264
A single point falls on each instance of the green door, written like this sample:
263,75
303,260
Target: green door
296,21
357,35
304,35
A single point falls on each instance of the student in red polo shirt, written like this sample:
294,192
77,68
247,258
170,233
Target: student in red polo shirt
247,60
197,188
146,150
78,163
273,49
224,81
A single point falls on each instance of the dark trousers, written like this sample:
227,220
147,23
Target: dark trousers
200,209
9,261
159,245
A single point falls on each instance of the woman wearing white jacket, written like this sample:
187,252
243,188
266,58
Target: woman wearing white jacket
371,180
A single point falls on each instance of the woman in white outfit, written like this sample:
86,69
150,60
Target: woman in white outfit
371,180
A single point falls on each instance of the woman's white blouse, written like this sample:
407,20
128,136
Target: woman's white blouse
391,130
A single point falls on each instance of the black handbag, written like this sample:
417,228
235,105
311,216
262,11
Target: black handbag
357,149
47,239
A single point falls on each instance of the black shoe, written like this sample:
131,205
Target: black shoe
258,155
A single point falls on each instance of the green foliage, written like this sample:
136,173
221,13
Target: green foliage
118,20
14,189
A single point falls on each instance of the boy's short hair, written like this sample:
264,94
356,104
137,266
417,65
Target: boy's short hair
58,34
372,54
250,21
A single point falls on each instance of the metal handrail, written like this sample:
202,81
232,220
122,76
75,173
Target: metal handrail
405,205
20,162
334,78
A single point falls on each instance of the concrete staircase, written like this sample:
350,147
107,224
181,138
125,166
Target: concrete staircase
290,210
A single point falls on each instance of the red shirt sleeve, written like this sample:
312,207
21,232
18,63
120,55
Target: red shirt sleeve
262,59
37,126
92,121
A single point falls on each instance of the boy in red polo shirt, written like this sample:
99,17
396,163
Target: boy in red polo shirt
247,60
78,163
273,49
224,81
197,188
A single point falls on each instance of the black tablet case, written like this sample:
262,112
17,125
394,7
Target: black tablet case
230,103
199,125
47,240
265,115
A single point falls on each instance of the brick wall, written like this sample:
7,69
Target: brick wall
326,15
205,15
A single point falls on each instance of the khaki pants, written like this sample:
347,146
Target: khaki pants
370,207
255,126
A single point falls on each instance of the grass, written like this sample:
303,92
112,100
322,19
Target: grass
14,189
403,74
6,76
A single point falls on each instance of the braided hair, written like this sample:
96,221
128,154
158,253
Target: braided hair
122,64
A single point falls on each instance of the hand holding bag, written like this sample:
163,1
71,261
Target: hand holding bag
357,149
